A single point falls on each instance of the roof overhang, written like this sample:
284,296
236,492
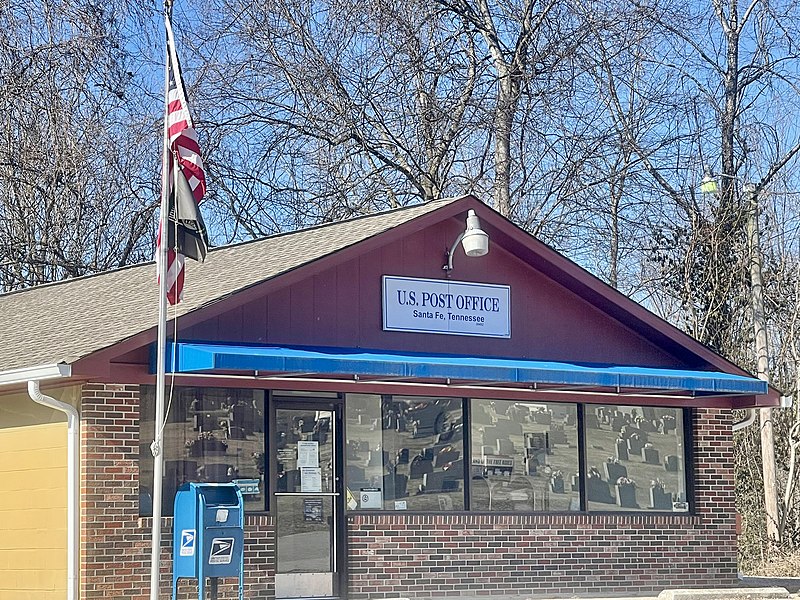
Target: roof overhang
469,372
38,373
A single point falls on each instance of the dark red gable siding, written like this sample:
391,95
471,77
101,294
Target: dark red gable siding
341,307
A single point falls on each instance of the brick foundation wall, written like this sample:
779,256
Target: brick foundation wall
419,556
115,541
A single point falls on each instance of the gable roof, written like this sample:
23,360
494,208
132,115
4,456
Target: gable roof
113,312
68,320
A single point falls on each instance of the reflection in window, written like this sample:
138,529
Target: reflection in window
212,435
524,456
404,452
304,439
635,458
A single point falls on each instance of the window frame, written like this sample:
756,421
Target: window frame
272,397
263,510
466,407
466,465
578,417
687,414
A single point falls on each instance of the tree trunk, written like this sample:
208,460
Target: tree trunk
507,99
762,362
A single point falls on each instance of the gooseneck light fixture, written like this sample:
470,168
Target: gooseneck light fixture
474,240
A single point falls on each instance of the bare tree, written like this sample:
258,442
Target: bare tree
72,196
343,107
525,40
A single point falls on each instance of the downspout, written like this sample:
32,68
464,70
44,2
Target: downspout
785,402
751,418
73,505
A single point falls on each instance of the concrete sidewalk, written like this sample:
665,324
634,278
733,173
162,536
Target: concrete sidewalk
739,593
792,584
747,591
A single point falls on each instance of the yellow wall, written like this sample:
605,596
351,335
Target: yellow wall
33,498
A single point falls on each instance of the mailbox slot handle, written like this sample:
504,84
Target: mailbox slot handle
334,463
306,493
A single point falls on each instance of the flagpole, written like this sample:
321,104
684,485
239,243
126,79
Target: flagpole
158,447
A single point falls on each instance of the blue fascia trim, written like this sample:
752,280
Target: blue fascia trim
199,358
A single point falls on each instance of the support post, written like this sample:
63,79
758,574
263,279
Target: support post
762,366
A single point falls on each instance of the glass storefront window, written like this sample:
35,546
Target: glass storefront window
407,453
404,452
524,456
635,458
211,435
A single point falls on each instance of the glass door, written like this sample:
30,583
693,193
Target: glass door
307,499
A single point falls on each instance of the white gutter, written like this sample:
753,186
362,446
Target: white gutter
73,501
786,402
35,373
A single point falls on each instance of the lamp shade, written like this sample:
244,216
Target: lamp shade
475,241
708,185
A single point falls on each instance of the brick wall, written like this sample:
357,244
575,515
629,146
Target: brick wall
421,555
115,541
400,555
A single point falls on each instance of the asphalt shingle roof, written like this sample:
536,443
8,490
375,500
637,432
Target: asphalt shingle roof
65,321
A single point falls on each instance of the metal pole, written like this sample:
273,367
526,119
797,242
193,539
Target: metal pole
157,446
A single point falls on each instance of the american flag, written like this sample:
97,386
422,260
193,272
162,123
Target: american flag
186,233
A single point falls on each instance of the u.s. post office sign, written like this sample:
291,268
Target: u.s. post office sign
449,307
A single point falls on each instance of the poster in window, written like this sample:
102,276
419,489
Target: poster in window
312,510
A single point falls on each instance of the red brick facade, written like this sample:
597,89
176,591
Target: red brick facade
115,541
469,554
407,555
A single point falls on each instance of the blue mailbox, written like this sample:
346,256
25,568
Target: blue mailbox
208,535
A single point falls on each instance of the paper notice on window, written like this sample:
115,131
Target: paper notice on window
371,498
307,454
312,510
310,480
